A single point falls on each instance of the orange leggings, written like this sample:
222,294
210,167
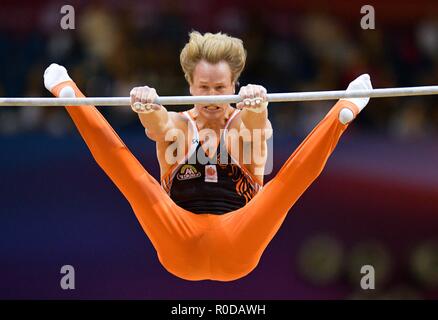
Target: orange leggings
206,246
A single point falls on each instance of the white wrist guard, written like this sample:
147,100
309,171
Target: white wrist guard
143,108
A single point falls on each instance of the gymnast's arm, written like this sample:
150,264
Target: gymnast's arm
155,118
107,148
254,108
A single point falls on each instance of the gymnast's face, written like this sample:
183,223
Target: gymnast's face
211,79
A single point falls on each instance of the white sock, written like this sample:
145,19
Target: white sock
54,75
362,82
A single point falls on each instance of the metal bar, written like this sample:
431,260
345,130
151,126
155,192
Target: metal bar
219,99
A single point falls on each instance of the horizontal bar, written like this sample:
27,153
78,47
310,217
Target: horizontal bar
190,100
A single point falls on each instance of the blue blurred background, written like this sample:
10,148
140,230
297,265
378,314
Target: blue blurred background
376,203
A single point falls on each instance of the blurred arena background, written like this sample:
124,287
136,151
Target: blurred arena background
376,203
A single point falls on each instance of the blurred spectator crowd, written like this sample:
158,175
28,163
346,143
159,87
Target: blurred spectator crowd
118,45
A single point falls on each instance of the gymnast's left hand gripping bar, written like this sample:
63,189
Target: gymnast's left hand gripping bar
220,99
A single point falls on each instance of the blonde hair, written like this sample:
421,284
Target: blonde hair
213,48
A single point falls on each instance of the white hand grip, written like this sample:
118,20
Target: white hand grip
143,107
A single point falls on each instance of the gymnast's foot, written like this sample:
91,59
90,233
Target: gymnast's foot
363,82
58,82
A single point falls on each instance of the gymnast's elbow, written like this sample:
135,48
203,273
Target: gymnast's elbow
164,129
154,135
158,131
155,124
